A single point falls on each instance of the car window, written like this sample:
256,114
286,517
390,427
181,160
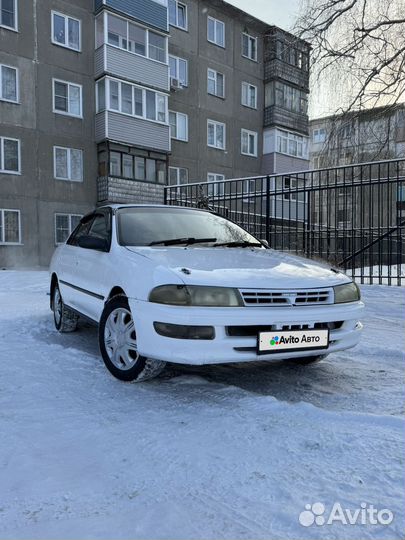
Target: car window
81,230
101,226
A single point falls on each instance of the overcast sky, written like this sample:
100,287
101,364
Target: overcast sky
279,12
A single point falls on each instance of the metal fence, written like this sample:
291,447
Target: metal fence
351,216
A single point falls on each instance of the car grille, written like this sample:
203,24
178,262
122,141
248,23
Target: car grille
246,331
267,297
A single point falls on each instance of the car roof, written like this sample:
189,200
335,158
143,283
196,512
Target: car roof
162,206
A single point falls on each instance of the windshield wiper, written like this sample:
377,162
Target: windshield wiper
242,244
178,241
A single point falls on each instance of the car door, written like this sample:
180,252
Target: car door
68,263
93,276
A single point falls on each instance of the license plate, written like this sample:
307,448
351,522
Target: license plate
294,340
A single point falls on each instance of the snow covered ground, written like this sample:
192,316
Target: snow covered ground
391,275
219,452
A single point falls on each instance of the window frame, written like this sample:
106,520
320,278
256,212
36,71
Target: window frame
214,42
8,171
256,142
17,84
177,185
177,138
3,228
250,48
216,83
107,81
177,60
12,28
249,85
69,164
128,22
184,28
216,123
214,185
315,138
66,19
71,229
67,113
288,136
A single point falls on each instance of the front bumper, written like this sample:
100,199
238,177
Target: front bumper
226,348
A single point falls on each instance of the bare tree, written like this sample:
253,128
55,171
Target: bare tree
360,46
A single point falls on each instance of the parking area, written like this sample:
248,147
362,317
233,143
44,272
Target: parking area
233,451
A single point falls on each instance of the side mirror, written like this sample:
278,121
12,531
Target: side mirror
264,243
93,242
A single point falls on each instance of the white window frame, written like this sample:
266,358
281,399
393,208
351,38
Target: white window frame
17,77
214,41
69,84
215,79
147,30
13,28
177,60
185,28
66,19
216,124
249,86
215,190
249,199
287,135
2,169
250,38
133,115
3,229
316,134
249,133
177,138
177,185
69,164
70,225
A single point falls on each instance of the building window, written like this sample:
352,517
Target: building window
178,176
216,32
249,47
10,226
179,69
249,95
178,14
215,83
9,156
178,126
67,98
8,83
65,224
8,14
132,100
133,38
131,167
68,164
319,135
286,96
249,191
216,133
290,144
249,143
66,31
215,189
292,56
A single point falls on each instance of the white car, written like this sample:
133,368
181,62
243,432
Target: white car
176,284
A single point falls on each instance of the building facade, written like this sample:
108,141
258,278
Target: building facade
110,100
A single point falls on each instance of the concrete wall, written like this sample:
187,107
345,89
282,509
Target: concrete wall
35,192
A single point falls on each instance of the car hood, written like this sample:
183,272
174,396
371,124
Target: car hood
241,267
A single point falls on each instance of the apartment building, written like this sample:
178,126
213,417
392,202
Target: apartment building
110,100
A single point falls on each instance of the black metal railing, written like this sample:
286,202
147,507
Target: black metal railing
351,216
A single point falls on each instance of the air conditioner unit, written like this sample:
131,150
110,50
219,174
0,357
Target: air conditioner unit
175,84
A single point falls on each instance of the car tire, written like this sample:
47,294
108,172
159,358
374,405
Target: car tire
117,340
306,360
64,318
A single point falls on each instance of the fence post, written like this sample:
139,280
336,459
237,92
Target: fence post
165,195
268,209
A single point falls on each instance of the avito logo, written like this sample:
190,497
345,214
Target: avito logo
274,340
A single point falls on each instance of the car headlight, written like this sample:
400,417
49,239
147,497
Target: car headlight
349,292
195,295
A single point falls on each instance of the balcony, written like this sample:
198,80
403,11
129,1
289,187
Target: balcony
276,69
150,12
132,131
277,116
119,190
126,65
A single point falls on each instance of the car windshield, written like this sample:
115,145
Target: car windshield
146,226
